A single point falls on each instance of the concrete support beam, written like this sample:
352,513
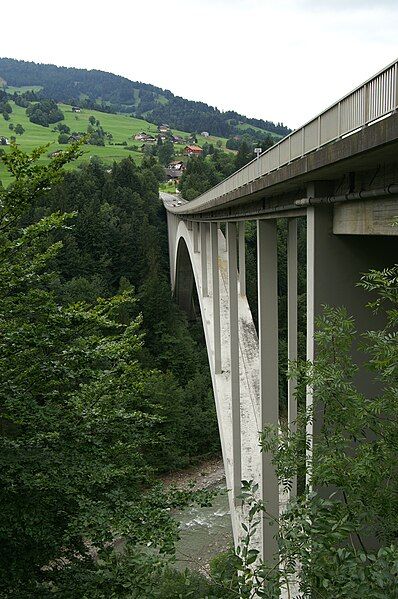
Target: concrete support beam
242,258
234,357
196,237
215,296
268,346
292,327
369,217
203,258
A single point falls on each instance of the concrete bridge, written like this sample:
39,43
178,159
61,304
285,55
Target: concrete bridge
340,173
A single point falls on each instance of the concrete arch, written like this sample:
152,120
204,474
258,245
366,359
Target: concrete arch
186,270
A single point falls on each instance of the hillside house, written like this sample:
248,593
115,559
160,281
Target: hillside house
205,134
193,150
75,137
163,128
176,139
76,109
144,137
177,165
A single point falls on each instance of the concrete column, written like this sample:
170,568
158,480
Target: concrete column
268,346
242,258
234,356
292,327
216,296
203,258
335,264
196,237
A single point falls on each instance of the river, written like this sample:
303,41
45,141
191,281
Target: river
204,531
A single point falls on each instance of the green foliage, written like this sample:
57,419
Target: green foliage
79,411
44,112
19,130
165,152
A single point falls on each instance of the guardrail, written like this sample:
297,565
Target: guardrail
372,100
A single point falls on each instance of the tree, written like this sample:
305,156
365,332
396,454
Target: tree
11,126
19,130
165,152
91,120
63,138
44,112
62,128
244,155
78,416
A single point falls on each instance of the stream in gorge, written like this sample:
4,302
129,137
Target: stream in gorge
204,531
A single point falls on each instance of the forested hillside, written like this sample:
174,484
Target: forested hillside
109,92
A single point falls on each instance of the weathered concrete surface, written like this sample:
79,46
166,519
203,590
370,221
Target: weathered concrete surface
369,217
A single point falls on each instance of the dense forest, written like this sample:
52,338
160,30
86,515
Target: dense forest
109,92
103,384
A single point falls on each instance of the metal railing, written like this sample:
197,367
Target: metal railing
372,100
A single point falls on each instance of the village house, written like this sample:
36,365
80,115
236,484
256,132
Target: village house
193,150
144,137
76,109
175,170
205,134
177,165
75,137
163,128
176,139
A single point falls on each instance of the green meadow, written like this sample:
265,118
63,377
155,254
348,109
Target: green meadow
122,127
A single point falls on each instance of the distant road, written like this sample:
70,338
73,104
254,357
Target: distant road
171,199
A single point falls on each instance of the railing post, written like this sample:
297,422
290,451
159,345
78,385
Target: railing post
319,132
365,104
396,85
242,258
203,259
216,296
268,346
292,328
234,358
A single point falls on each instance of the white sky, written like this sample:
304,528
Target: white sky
282,60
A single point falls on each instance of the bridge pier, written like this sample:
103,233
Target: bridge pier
335,264
234,358
267,264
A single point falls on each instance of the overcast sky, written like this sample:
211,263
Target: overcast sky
282,60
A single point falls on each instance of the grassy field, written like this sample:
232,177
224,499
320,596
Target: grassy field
243,126
23,88
122,127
